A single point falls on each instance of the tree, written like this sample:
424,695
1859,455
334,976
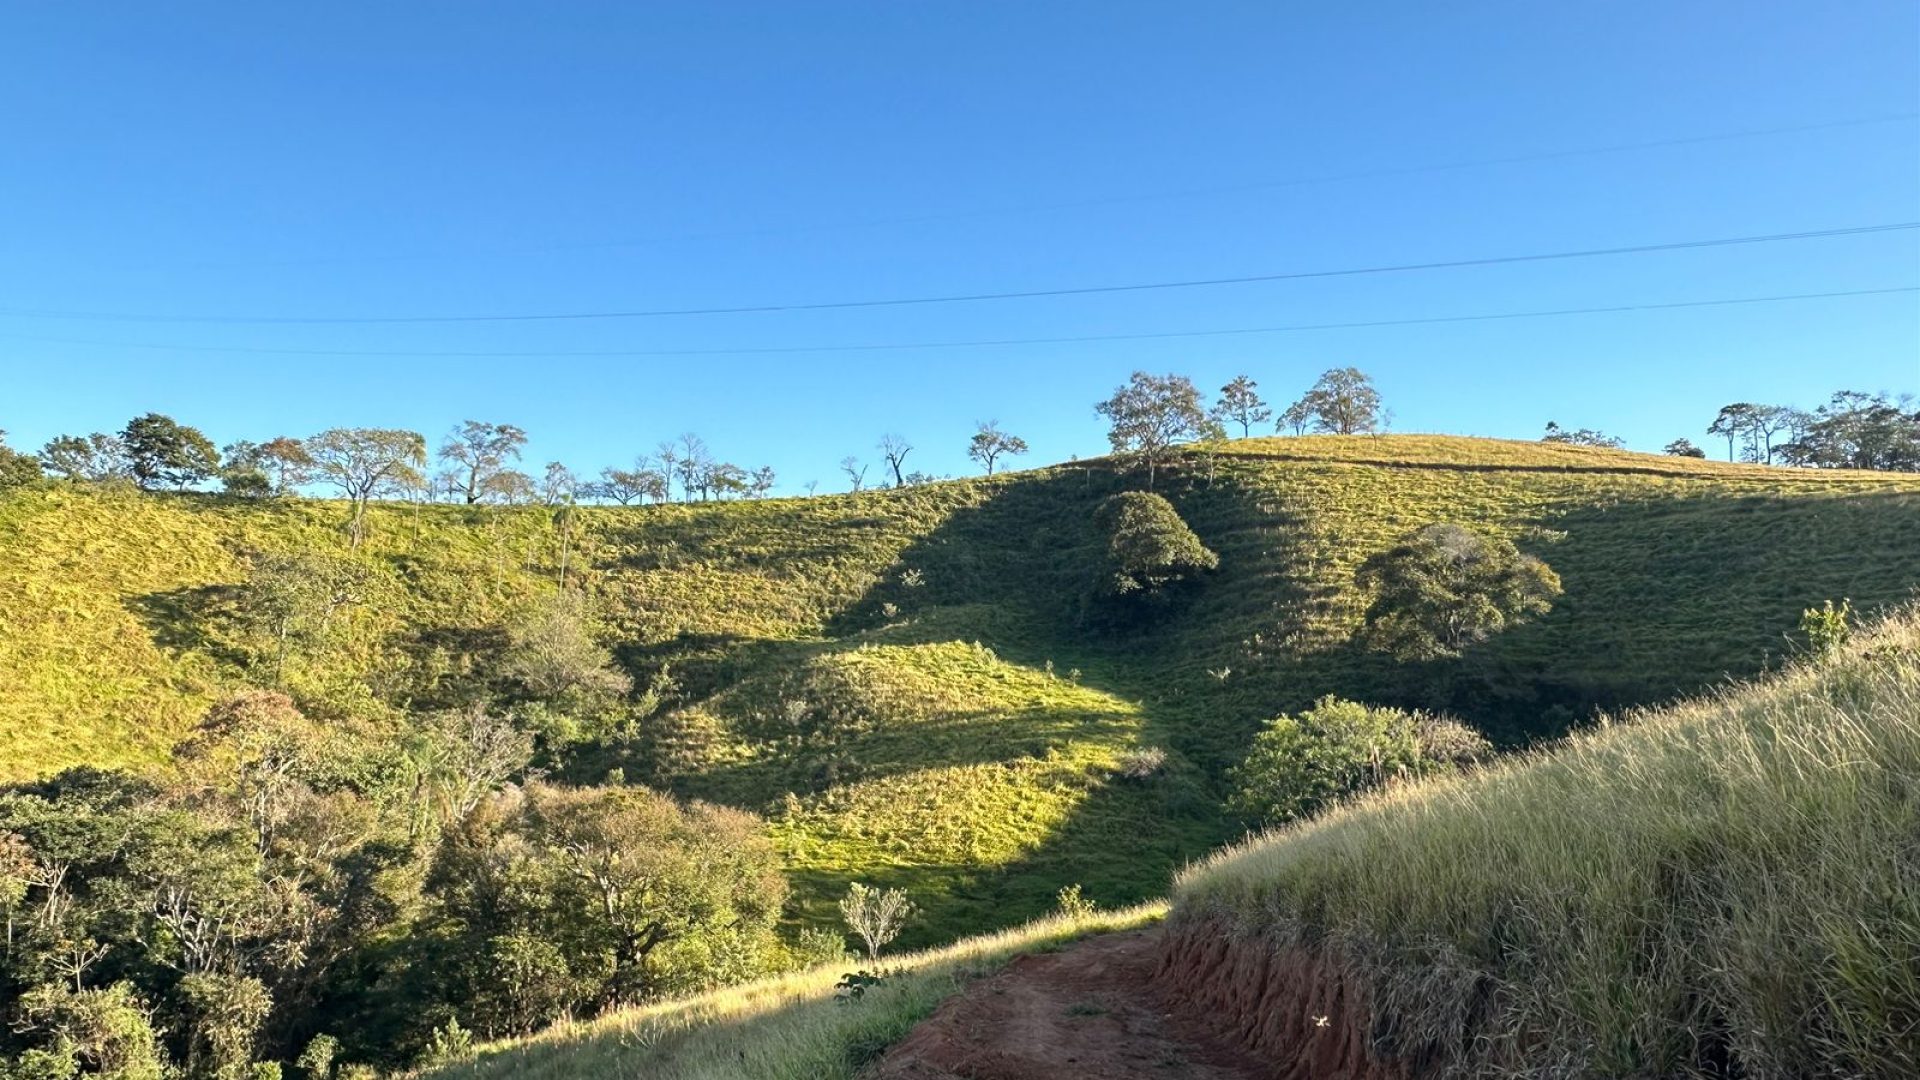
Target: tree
856,472
1298,416
1298,766
294,600
161,450
16,469
558,484
762,482
509,487
1151,415
1733,421
1149,546
1684,448
94,458
1855,430
1343,402
1447,587
626,486
243,470
1240,403
895,448
876,916
1581,437
476,452
694,464
365,464
653,886
461,756
551,652
989,443
288,462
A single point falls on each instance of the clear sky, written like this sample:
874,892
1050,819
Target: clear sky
245,160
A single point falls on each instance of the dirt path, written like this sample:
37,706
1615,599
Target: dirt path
1088,1012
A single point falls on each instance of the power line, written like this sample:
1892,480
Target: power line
1095,201
978,343
959,298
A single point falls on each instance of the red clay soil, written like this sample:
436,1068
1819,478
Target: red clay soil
1185,1005
1088,1012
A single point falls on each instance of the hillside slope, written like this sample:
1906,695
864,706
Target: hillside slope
1723,887
902,680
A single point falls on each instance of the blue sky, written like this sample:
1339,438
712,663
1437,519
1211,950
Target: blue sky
349,160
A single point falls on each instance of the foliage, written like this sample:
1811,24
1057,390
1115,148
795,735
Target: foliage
1581,437
1342,402
1827,628
162,451
552,655
476,455
1447,587
1719,888
317,1060
1149,546
1298,766
1072,904
875,916
989,444
1683,448
364,464
1240,403
1151,415
16,469
94,458
1856,430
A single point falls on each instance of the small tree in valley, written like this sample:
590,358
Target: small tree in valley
876,916
1447,587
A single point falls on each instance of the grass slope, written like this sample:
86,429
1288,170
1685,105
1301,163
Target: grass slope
900,680
1728,887
786,1028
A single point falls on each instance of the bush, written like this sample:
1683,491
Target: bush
1149,546
1070,903
1299,765
1141,763
1826,628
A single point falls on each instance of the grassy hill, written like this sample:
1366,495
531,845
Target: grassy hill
1723,887
902,681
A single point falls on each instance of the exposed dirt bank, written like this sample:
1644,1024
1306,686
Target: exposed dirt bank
1293,1010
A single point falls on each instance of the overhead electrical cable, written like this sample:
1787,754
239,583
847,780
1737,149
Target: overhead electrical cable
975,343
961,298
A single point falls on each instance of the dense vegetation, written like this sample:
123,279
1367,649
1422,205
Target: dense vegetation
906,688
1725,888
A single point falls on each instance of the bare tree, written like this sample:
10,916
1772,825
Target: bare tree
476,451
895,449
695,466
989,443
558,484
855,471
669,455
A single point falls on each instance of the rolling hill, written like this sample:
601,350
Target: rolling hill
904,682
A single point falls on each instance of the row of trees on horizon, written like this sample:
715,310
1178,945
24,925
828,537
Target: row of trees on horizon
1148,417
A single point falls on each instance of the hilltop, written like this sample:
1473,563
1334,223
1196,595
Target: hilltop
903,680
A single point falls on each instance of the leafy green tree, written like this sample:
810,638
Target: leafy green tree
95,458
161,450
227,1011
1149,546
316,1061
1734,422
1299,765
1151,415
1447,587
989,444
365,464
107,1032
16,469
244,470
1855,430
1240,403
1683,448
295,602
641,483
552,655
1343,402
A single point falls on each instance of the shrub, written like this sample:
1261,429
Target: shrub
316,1061
1149,545
1070,903
1141,763
1299,765
1826,628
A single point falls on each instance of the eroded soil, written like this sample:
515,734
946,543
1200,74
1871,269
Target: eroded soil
1092,1011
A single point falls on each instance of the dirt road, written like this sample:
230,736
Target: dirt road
1088,1012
